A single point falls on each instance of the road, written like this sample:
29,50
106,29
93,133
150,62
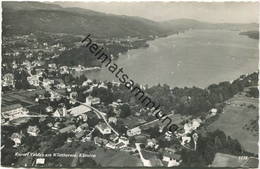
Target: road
98,113
146,163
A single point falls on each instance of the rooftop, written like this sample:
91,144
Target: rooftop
68,129
11,107
102,126
76,111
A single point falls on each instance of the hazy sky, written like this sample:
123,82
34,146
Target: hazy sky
234,12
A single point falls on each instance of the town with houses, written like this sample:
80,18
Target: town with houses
46,106
43,101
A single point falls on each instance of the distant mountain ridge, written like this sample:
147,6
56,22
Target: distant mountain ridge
194,24
29,6
29,17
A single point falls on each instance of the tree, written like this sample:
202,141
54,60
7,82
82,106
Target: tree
154,131
125,111
30,142
105,95
253,92
208,146
8,156
8,143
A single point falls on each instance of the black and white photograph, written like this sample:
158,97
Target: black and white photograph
121,84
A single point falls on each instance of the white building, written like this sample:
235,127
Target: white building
102,85
103,128
173,163
151,142
61,86
8,80
52,66
213,112
116,83
95,101
112,120
33,130
123,140
49,109
16,137
47,82
185,139
171,159
14,111
134,131
92,100
64,70
87,82
111,145
193,125
34,80
79,110
60,112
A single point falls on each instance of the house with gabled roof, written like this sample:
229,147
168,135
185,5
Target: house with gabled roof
103,128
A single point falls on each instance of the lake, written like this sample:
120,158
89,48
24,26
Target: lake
194,58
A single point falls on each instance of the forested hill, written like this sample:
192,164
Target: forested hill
29,17
251,34
182,24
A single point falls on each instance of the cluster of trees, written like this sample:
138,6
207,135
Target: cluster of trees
253,92
53,39
77,56
191,101
107,96
208,146
21,81
251,34
195,101
252,126
82,55
8,154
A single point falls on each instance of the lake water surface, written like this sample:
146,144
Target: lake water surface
194,58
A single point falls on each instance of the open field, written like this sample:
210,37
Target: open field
22,97
111,158
235,115
223,160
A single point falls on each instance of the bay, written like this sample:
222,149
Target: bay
193,58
